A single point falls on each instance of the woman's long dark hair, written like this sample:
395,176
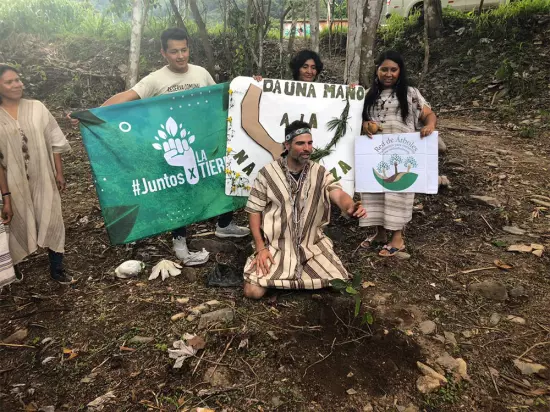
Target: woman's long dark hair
400,87
6,68
300,58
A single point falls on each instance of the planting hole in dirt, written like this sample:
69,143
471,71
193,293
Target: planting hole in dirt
334,353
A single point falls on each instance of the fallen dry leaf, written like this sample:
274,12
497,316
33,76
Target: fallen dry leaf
98,403
365,285
177,316
537,253
127,349
351,391
536,246
501,265
71,353
197,342
520,248
181,350
31,407
243,344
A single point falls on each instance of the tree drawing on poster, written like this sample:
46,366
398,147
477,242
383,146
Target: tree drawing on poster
399,180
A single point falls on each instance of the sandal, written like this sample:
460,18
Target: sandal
370,243
389,251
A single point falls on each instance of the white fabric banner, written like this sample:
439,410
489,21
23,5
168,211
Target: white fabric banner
396,163
259,112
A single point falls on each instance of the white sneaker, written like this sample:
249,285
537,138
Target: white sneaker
232,230
189,258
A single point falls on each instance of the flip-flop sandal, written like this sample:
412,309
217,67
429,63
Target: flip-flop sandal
389,251
370,243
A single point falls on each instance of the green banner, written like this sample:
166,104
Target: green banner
158,163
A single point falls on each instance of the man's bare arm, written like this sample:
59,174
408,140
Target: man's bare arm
123,97
255,223
346,203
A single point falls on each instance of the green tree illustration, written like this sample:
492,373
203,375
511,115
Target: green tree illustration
410,162
395,159
382,167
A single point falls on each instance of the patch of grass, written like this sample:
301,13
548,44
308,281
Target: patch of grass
335,29
446,395
397,29
527,132
56,18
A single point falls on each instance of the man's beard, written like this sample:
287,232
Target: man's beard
300,160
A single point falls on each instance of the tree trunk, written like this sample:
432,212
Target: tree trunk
284,13
251,55
368,39
329,23
353,48
138,18
395,165
179,19
266,18
425,66
292,36
225,9
260,34
203,35
434,16
480,7
247,13
314,24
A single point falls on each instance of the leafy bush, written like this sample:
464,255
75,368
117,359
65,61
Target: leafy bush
397,28
50,18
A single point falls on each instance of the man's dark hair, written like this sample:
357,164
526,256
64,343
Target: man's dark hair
174,33
295,125
303,56
6,68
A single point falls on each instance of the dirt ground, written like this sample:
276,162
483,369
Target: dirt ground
295,351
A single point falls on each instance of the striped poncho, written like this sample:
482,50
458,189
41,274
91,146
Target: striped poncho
292,224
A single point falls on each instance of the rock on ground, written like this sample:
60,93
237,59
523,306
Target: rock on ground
17,336
427,327
494,319
490,289
221,315
514,230
486,200
427,384
218,377
213,246
528,368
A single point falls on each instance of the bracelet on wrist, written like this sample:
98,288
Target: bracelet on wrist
264,248
6,194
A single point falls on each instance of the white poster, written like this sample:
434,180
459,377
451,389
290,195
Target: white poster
396,163
259,112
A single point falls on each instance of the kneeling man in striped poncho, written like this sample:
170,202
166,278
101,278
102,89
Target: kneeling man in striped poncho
288,206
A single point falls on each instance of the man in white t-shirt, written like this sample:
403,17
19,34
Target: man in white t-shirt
179,75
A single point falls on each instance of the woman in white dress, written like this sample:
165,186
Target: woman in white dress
392,106
31,175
